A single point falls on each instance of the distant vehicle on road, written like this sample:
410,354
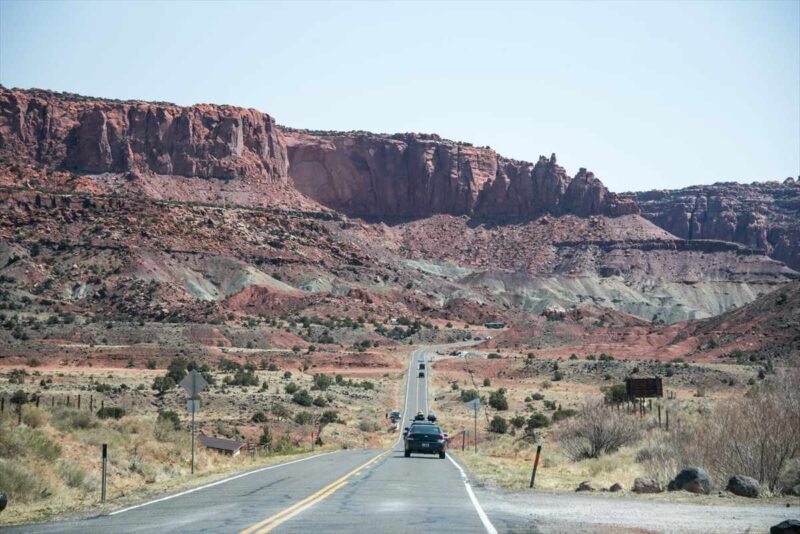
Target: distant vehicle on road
421,366
496,325
422,374
431,418
419,417
425,439
394,416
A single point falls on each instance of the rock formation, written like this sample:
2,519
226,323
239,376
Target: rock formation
415,175
765,216
108,136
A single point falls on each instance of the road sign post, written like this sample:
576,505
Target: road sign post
474,405
193,383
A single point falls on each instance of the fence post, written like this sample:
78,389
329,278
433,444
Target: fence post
659,414
463,438
67,399
37,400
53,401
2,404
79,401
667,414
536,462
105,472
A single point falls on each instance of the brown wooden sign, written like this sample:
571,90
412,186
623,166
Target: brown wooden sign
642,388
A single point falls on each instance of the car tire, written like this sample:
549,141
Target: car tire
442,455
407,454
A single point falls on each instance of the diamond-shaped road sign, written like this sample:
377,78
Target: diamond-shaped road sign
474,404
194,383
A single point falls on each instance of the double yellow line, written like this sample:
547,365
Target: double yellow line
281,517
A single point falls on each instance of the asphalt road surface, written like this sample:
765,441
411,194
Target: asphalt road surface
376,491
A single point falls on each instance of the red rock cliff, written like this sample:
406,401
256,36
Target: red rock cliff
414,175
96,136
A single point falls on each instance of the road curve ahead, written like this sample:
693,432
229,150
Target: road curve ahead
344,491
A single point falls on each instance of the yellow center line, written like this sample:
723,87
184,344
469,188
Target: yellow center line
274,520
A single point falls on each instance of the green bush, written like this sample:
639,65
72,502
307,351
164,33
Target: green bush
303,398
537,420
467,395
487,382
259,417
169,418
498,400
518,421
66,419
75,476
615,394
320,401
303,418
329,416
498,425
19,441
291,388
111,412
322,382
537,396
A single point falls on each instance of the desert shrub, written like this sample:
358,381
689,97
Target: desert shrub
111,412
368,426
241,377
176,369
757,435
518,421
498,400
320,401
279,411
561,414
322,382
34,417
303,398
546,384
329,416
558,376
66,419
18,441
537,420
550,405
366,384
493,356
163,384
291,388
259,417
75,476
615,394
537,396
498,425
21,484
287,375
265,439
467,395
487,382
303,418
597,430
169,418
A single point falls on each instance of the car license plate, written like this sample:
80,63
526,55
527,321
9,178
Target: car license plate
426,444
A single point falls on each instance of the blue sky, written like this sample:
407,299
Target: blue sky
647,95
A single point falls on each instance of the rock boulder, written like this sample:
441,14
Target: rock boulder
744,486
691,479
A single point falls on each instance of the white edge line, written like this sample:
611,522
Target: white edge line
216,483
484,518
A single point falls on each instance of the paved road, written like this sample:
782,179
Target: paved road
344,491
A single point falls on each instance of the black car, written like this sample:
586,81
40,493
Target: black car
422,374
414,423
425,439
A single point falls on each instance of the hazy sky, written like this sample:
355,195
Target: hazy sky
646,94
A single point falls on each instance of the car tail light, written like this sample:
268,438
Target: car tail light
410,437
441,437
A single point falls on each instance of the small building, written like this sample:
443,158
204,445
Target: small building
229,446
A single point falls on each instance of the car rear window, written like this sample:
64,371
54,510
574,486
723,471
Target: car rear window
426,429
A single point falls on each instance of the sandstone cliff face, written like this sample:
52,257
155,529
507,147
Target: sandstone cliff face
414,175
765,216
98,136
